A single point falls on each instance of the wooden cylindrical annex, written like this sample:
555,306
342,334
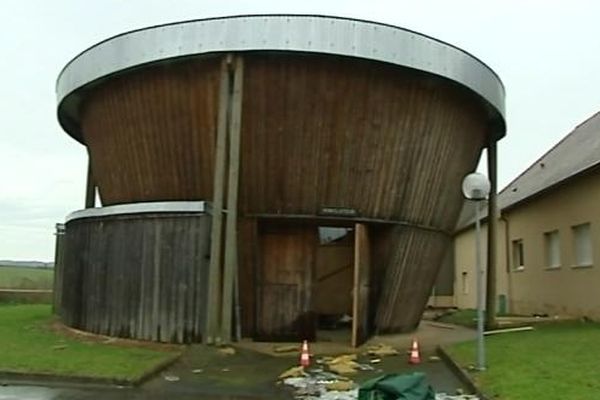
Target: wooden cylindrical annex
286,125
136,271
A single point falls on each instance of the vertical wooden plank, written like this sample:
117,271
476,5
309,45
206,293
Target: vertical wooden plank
156,320
248,243
214,278
362,273
90,186
231,248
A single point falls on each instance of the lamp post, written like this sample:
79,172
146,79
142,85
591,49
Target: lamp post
476,187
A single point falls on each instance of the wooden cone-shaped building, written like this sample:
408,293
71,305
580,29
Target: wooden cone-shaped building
221,147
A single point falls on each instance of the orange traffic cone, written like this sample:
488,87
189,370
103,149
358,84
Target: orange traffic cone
304,356
415,358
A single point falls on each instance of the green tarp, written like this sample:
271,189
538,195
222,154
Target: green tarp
397,387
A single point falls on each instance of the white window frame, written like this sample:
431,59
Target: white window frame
582,243
552,254
518,254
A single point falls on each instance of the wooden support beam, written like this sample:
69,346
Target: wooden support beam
231,248
360,298
216,237
492,159
90,187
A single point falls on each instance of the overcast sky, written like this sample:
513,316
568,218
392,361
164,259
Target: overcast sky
547,54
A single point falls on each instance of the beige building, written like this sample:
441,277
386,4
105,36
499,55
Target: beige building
548,259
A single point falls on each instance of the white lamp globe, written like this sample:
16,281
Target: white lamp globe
476,186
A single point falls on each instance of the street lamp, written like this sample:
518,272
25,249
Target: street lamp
476,187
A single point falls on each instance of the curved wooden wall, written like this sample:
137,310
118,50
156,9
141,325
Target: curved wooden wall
317,131
151,133
390,143
138,276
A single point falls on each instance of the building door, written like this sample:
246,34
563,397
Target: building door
286,264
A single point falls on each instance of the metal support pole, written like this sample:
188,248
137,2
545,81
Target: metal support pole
480,297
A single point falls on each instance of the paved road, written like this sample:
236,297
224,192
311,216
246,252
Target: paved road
46,393
438,374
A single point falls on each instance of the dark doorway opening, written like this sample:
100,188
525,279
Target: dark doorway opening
333,282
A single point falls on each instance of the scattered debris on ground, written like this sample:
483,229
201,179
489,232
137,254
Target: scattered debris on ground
444,396
340,386
319,384
197,371
508,330
434,358
171,378
329,380
342,365
226,351
293,372
381,350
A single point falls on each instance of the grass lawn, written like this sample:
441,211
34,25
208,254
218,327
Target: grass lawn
467,317
29,345
554,362
25,278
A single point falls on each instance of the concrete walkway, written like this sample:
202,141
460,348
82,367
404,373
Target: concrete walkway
429,335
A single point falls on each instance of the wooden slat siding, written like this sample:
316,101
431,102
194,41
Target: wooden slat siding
248,249
287,263
391,143
156,293
396,136
114,263
406,287
151,132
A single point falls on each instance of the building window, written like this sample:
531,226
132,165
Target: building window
552,247
582,244
517,253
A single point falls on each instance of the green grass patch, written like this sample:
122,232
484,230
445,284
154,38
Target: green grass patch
29,345
554,362
26,278
467,317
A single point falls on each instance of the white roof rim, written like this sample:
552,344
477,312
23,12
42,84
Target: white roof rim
295,33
